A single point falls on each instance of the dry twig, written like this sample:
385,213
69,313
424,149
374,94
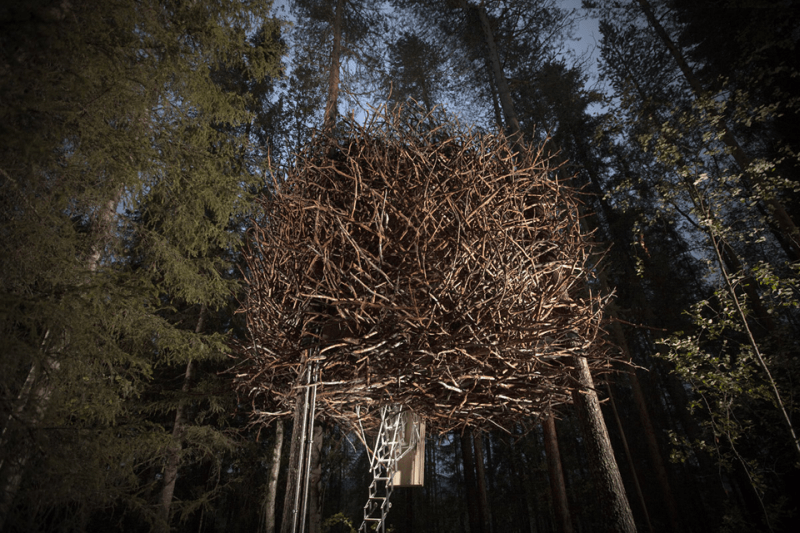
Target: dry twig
429,268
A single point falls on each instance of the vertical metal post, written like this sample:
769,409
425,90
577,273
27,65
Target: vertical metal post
313,380
302,451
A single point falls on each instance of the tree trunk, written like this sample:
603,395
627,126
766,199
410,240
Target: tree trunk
409,528
331,106
178,430
655,454
174,453
617,516
480,470
468,460
272,485
557,486
503,91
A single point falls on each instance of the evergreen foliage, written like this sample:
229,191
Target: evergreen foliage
123,196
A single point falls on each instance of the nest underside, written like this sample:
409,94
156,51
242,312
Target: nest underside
423,267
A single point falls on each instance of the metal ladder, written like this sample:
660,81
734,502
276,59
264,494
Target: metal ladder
388,449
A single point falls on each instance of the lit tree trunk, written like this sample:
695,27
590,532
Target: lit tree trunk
331,107
784,221
178,430
557,486
272,484
617,516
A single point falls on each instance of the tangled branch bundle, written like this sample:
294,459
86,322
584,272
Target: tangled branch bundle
421,266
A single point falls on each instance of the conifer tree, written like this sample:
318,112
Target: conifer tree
121,185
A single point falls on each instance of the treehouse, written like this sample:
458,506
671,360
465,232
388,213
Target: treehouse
414,266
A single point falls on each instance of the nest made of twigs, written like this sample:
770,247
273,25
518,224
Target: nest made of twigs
419,265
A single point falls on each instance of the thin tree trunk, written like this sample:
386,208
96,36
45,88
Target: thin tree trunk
655,454
331,106
530,497
503,91
178,430
617,516
272,485
558,487
525,484
784,221
498,114
483,498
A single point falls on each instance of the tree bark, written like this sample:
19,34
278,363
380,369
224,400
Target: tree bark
30,410
272,484
503,91
331,107
654,452
433,484
526,483
617,516
558,487
178,430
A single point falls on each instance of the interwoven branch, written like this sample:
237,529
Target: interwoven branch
424,266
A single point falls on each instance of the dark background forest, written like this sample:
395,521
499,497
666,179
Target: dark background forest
136,136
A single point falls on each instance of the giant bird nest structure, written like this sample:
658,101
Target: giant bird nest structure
418,265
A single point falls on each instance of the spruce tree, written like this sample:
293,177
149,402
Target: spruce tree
122,183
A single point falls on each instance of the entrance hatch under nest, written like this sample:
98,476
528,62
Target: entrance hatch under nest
421,266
